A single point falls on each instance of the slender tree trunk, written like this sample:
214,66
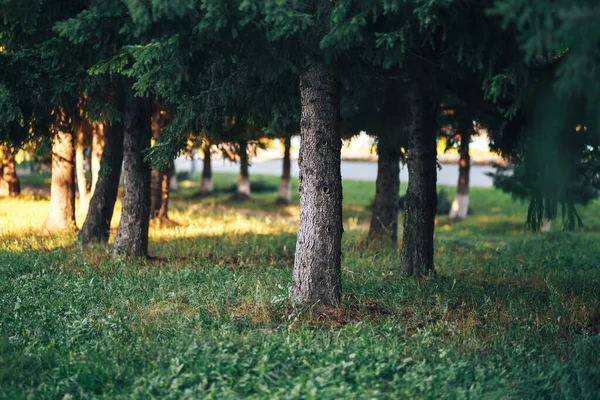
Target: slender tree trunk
132,235
82,183
156,178
547,225
98,143
163,211
285,186
384,220
207,185
173,181
243,185
9,181
97,223
460,205
317,266
421,198
62,189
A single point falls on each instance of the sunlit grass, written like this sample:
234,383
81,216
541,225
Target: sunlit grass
508,314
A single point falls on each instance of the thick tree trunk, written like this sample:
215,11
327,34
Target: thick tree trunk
98,143
206,185
132,235
285,186
421,198
384,220
460,205
9,181
243,185
62,189
97,222
82,183
317,266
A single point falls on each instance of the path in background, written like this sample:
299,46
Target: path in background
352,170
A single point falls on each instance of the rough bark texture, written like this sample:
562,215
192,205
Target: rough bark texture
62,189
10,186
317,266
421,199
97,222
243,186
285,186
460,205
98,143
132,235
384,220
82,183
207,185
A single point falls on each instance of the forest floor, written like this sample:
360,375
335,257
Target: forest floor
509,314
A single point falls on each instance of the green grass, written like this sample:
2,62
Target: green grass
509,314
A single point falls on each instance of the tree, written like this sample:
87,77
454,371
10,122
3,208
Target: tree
284,195
206,183
62,189
460,204
9,181
97,222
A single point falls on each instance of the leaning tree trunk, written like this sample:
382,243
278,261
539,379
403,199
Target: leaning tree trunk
317,266
243,185
421,199
98,143
97,222
206,184
62,189
132,235
9,181
384,220
285,186
460,205
82,183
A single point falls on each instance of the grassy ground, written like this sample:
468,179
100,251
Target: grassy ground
509,314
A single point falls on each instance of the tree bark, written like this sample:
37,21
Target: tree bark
384,220
82,183
421,198
98,143
132,234
62,189
243,185
460,204
285,186
317,265
207,185
97,222
9,181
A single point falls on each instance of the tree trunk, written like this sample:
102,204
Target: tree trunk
285,186
9,181
156,178
173,182
243,185
317,266
384,220
547,225
132,235
82,183
97,222
421,198
460,205
207,185
98,143
62,189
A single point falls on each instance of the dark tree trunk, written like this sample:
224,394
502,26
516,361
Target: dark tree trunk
421,198
156,178
163,211
9,181
98,143
132,235
82,183
207,185
62,189
317,266
97,223
285,186
243,186
384,220
460,205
